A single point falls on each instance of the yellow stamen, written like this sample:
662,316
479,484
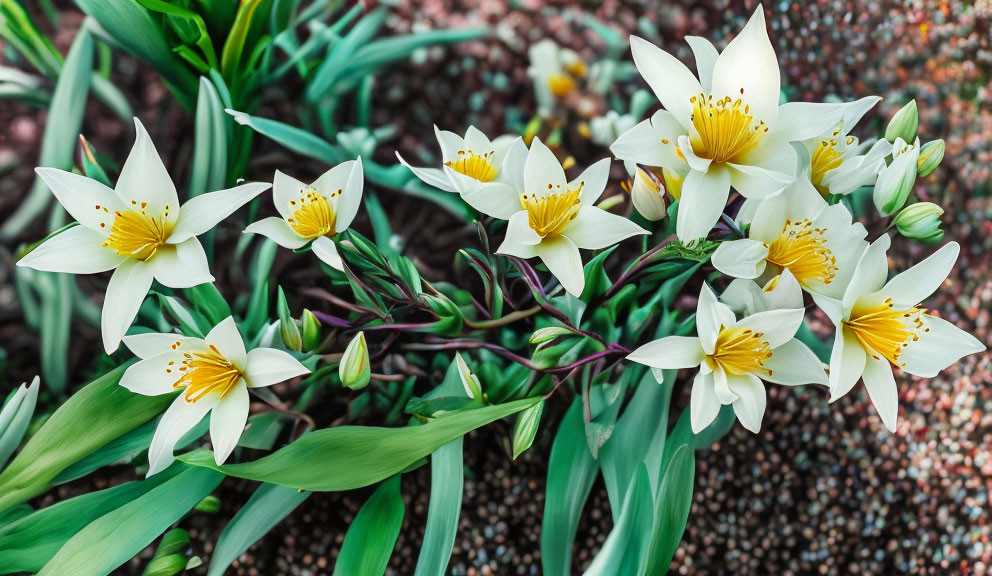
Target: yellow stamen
725,130
548,214
313,215
884,330
136,234
202,373
739,351
826,157
800,249
561,84
577,68
478,166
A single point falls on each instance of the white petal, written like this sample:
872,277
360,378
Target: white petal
722,386
431,176
127,289
804,120
144,178
268,366
711,316
77,250
204,211
847,363
774,154
832,307
869,274
940,345
518,229
695,162
511,166
542,172
228,420
705,54
741,295
156,375
854,111
85,199
286,189
179,419
152,344
703,199
757,182
750,405
794,363
279,231
740,258
451,144
915,285
592,181
327,251
181,266
669,78
672,352
776,326
653,142
703,402
748,69
349,178
496,199
562,258
227,339
594,228
782,292
882,390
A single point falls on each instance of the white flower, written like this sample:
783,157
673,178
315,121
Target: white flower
733,358
896,181
838,163
138,229
480,170
797,230
314,212
726,128
555,71
214,374
747,297
648,189
880,325
553,217
604,130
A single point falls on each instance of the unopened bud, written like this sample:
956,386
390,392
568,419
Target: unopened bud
895,182
931,156
473,388
921,221
311,330
287,325
550,333
209,505
904,124
354,370
166,565
175,541
647,192
525,428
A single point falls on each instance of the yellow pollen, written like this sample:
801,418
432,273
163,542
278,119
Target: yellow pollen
577,68
884,330
800,249
561,85
825,158
313,215
478,166
740,351
136,234
725,129
548,214
203,373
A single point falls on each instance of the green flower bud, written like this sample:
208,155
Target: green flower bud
473,388
311,330
166,565
921,221
550,333
896,181
525,428
354,370
209,505
174,541
931,156
290,332
904,124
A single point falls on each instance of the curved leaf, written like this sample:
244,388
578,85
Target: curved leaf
672,509
372,535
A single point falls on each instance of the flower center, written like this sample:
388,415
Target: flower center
724,130
800,249
202,373
477,166
136,234
313,215
885,330
740,351
561,84
825,158
548,214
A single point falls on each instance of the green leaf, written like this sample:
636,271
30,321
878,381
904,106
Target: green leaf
71,433
15,418
372,535
296,139
526,427
266,508
208,302
29,543
447,487
626,548
348,457
210,135
571,473
596,280
672,509
132,526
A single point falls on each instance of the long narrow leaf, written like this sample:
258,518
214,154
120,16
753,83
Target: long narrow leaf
372,535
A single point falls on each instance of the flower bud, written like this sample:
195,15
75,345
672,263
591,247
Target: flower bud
311,330
904,124
473,388
209,505
525,428
175,541
921,221
549,333
895,182
931,156
287,325
354,370
166,565
647,192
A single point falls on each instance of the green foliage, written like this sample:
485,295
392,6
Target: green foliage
372,534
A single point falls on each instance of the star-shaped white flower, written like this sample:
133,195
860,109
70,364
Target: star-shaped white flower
553,217
138,229
881,324
480,170
726,127
314,213
555,71
733,357
798,231
214,374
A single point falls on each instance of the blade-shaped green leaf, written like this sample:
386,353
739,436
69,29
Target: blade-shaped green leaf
626,548
672,509
372,535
